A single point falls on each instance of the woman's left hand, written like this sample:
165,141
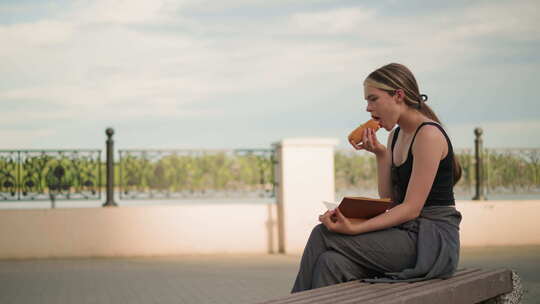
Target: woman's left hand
335,221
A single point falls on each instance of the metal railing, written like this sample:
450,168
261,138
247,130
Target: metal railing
50,174
242,173
503,171
512,170
181,174
485,172
34,175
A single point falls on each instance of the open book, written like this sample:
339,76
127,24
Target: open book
361,207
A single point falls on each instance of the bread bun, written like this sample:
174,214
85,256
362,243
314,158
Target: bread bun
357,134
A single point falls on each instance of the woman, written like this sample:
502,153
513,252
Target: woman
419,238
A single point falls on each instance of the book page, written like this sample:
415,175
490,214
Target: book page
372,199
330,206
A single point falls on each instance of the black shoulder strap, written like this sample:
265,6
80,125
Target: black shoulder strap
434,124
394,139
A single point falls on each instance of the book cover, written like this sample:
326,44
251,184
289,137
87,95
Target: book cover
364,207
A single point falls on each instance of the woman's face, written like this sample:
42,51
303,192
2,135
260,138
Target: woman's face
382,107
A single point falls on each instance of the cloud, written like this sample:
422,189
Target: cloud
122,66
507,134
33,35
23,139
122,11
504,19
124,60
337,21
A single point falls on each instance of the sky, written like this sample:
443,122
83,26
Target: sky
248,73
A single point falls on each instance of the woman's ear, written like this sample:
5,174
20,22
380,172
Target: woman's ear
400,95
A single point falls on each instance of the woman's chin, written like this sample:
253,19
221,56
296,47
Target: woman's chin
387,127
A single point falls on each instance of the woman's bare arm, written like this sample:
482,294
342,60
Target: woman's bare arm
384,165
428,150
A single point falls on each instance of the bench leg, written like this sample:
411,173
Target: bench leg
513,297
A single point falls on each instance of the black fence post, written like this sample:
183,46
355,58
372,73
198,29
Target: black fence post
479,161
110,169
53,200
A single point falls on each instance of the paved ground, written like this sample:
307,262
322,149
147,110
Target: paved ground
197,279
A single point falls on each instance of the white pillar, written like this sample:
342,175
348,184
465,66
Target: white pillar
305,177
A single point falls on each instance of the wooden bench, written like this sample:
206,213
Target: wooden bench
466,286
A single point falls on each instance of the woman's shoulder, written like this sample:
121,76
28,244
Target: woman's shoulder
431,131
431,136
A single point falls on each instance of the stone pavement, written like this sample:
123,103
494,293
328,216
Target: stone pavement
180,279
198,278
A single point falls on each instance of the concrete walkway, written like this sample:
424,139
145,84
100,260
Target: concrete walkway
198,279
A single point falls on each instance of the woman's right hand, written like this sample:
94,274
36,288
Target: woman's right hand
370,143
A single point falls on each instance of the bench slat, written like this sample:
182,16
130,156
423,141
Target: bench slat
335,290
392,290
309,293
354,291
468,289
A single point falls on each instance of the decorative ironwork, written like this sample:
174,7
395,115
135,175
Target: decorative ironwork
48,174
8,175
512,171
164,174
466,185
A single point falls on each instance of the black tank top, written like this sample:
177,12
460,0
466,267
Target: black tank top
442,191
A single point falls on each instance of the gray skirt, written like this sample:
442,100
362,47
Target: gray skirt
331,258
421,249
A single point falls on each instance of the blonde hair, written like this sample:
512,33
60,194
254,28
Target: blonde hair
395,76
